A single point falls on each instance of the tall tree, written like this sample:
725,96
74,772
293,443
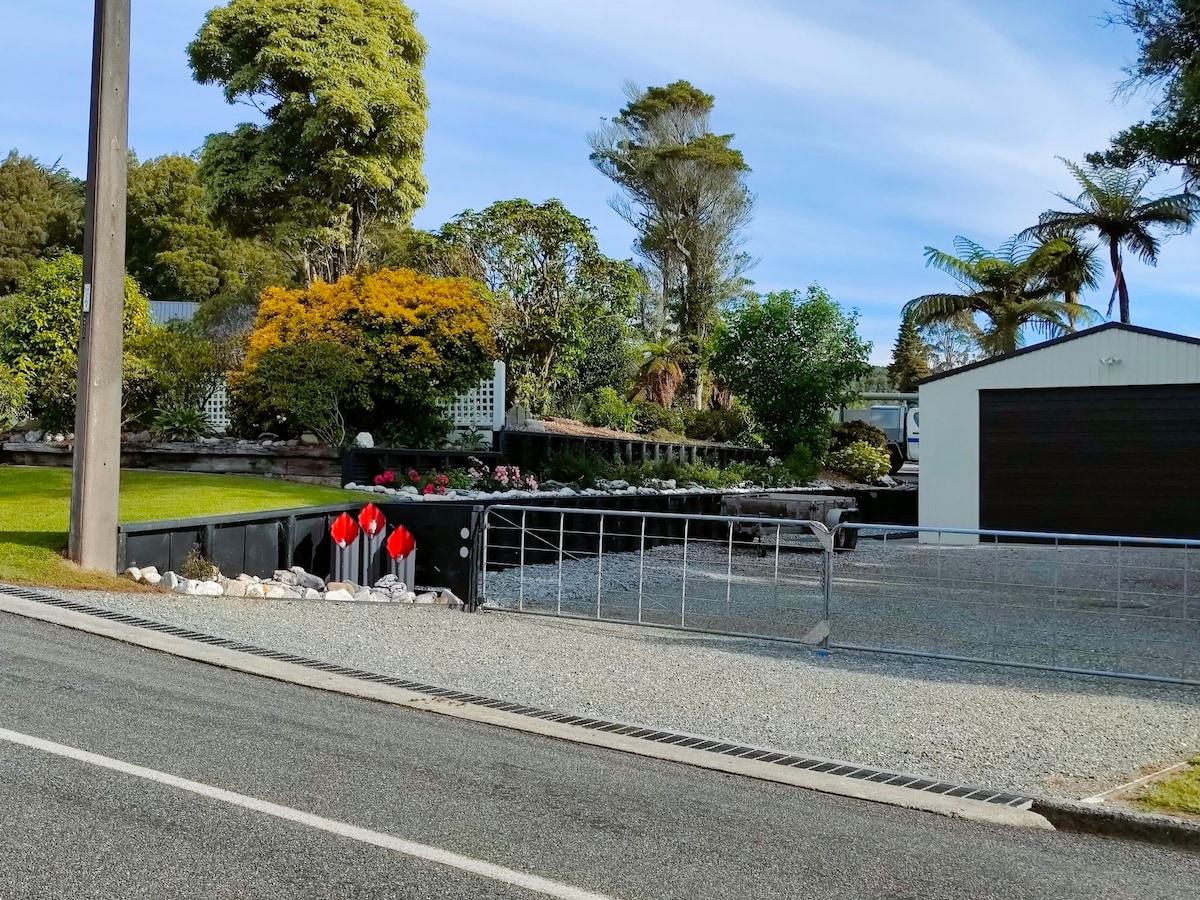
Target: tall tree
550,282
340,86
1011,289
1168,63
1111,203
684,190
908,365
41,214
176,252
951,343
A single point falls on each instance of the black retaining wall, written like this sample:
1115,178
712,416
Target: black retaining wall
449,534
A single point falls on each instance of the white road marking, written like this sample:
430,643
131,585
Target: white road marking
343,829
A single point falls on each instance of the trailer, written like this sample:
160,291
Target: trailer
829,511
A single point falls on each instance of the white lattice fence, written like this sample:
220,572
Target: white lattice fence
483,408
216,410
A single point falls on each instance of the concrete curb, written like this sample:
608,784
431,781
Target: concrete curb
1108,821
973,810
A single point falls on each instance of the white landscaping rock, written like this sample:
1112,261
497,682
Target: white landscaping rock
183,586
339,595
363,439
134,573
204,589
282,592
310,439
237,588
310,594
170,581
428,597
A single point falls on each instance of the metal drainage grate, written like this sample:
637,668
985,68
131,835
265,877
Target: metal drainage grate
639,732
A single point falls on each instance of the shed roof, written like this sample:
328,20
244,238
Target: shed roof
1066,338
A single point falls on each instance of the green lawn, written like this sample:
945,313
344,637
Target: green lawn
34,507
1178,794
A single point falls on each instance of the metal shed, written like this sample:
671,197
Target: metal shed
1097,432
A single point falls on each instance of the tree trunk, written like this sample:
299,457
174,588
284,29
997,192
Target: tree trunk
1114,252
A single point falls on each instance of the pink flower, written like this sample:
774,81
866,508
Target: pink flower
389,476
428,489
443,480
414,476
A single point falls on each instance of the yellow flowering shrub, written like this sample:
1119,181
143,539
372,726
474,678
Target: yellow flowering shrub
418,341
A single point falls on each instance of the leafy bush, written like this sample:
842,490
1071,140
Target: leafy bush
417,342
14,396
39,335
725,426
792,359
608,409
501,478
196,567
852,432
310,386
802,464
861,461
569,467
428,483
185,365
650,417
180,423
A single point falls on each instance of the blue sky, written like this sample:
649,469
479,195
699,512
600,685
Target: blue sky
873,128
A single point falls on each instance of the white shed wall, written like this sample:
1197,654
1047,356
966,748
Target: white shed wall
949,492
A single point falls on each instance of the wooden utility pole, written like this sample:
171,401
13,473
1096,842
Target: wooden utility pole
95,478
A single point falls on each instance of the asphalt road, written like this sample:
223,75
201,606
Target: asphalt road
589,819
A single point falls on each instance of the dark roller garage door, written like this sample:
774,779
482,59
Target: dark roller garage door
1112,460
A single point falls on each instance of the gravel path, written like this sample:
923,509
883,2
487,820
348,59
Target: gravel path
1048,733
1132,609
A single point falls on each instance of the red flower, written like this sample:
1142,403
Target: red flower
414,476
428,489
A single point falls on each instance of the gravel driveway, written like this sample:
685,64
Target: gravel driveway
1030,731
1130,610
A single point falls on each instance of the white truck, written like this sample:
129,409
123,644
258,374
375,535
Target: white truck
897,416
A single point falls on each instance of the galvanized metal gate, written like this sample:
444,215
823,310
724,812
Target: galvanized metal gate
1072,603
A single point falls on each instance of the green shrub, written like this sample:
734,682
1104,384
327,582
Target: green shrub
14,397
314,386
802,464
724,426
583,469
39,335
184,365
852,432
608,409
861,461
650,417
180,423
196,567
791,358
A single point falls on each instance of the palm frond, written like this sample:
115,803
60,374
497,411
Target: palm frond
938,307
